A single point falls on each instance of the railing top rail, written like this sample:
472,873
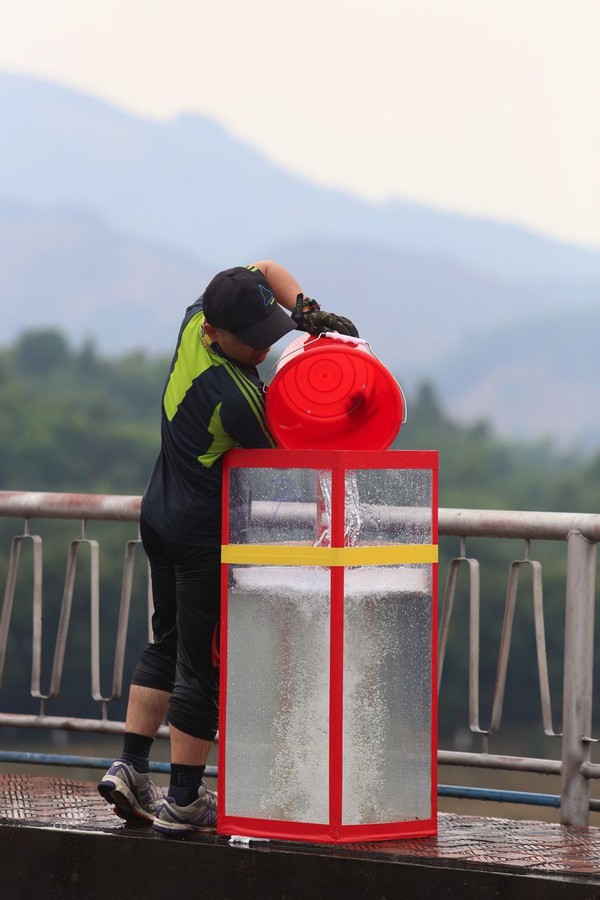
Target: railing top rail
496,523
32,504
509,523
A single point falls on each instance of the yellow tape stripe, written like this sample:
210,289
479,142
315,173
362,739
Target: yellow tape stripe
282,555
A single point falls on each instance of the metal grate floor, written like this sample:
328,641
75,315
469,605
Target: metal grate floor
531,847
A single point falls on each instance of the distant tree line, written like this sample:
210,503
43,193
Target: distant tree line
72,420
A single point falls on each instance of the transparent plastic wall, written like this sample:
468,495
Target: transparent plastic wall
328,728
277,751
387,652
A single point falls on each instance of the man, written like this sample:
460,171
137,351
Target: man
212,401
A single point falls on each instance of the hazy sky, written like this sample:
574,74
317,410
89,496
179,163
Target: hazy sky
483,106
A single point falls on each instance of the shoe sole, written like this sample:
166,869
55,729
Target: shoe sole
124,803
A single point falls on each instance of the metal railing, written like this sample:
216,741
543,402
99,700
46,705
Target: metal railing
580,532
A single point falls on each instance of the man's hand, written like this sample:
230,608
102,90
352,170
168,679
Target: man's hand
308,316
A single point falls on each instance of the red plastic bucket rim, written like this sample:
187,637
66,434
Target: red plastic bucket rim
339,338
317,406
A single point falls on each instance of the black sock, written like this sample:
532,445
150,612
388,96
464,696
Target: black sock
136,750
184,784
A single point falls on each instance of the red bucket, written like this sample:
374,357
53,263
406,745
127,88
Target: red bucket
332,393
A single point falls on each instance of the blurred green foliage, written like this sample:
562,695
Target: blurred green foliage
73,421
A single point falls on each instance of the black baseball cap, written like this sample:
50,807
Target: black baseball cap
242,301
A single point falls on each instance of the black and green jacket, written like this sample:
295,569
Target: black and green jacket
209,405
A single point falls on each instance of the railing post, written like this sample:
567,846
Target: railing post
578,668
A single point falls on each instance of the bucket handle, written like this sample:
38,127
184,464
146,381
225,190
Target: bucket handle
344,339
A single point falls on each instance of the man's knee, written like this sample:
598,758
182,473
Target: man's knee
195,710
156,668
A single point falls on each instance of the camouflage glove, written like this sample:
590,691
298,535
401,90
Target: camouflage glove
308,316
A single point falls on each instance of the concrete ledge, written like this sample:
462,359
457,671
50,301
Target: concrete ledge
60,841
60,864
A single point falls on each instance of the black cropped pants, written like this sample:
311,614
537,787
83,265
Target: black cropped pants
183,658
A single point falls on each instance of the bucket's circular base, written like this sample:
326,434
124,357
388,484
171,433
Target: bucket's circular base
334,396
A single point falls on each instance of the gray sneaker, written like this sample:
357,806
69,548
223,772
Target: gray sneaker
133,794
201,815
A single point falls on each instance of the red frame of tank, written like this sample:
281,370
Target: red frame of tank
334,831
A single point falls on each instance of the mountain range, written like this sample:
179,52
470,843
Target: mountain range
111,224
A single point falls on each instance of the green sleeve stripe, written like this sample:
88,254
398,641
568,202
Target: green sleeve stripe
221,440
253,395
192,360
